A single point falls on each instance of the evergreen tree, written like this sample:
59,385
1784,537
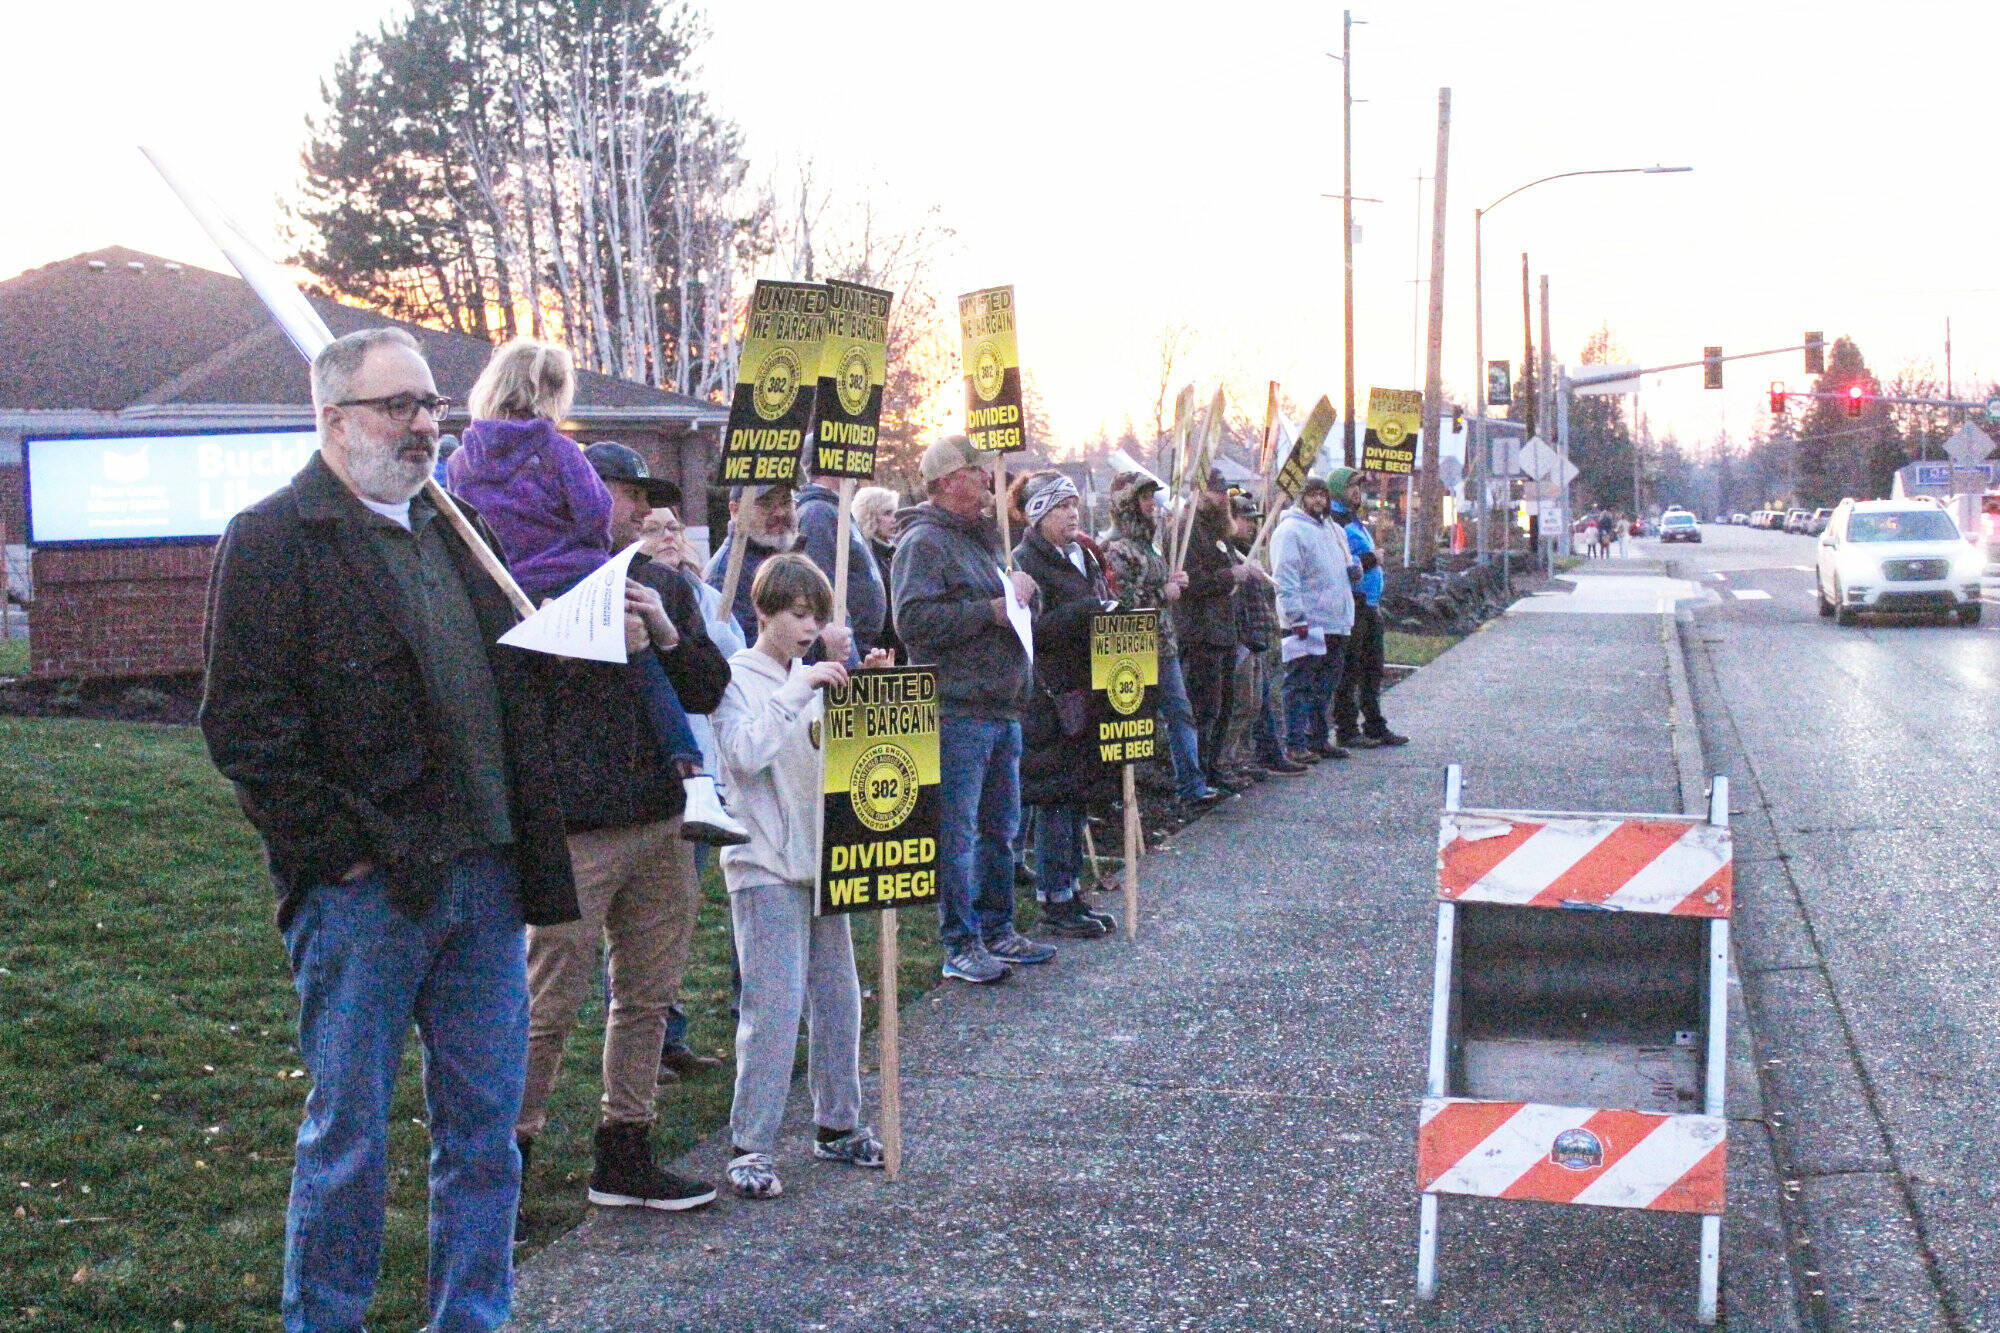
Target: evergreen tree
1600,440
1839,455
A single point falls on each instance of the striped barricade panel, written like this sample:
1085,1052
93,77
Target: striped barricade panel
1675,867
1569,1154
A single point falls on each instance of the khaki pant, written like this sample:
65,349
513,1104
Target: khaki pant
1252,672
637,891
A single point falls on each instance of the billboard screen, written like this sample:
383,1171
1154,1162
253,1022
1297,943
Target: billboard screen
164,487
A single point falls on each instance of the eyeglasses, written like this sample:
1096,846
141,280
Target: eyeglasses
402,408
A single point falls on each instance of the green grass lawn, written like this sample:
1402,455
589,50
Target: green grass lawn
1414,649
13,657
150,1084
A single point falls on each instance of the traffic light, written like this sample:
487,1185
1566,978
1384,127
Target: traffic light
1777,398
1855,394
1815,353
1457,419
1711,368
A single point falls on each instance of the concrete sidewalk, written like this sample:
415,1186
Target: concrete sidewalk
1214,1128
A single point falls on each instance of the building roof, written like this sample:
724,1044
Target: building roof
113,329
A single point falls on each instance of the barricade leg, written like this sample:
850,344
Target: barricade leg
1711,1266
1427,1249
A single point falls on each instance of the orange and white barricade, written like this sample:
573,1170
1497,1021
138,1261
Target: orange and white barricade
1578,1051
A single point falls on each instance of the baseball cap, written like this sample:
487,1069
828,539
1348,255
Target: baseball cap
946,455
613,461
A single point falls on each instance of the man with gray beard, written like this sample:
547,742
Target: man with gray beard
768,517
394,760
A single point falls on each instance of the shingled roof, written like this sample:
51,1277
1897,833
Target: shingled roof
115,328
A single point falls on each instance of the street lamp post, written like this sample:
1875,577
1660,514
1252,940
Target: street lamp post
1481,468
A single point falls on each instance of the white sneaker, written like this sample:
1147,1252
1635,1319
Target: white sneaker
705,820
754,1176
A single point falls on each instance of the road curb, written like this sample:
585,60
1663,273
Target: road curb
1745,1107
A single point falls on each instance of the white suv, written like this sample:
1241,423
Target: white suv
1897,555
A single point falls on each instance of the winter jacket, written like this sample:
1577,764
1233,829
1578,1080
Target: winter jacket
754,556
316,708
768,731
1309,557
551,511
1361,545
819,531
1203,614
1136,566
946,575
885,559
1057,769
607,754
1256,605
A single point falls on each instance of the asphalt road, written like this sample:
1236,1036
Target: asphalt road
1864,760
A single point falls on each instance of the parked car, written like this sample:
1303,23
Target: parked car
1896,555
1817,523
1795,520
1678,525
1739,520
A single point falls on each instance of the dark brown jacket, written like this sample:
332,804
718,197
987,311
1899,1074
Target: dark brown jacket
315,708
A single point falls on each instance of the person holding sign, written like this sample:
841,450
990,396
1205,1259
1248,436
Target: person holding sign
395,759
766,520
793,962
1357,705
959,611
1316,610
1060,771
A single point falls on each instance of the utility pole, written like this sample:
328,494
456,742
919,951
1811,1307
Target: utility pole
1545,395
1417,291
1528,345
1347,222
1429,499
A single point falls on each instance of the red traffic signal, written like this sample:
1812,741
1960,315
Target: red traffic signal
1855,394
1777,398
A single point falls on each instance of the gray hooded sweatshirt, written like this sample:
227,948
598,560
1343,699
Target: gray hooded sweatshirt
946,575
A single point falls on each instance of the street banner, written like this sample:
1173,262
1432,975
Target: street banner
1395,416
1124,685
1499,384
854,362
588,621
879,791
992,360
1305,451
777,382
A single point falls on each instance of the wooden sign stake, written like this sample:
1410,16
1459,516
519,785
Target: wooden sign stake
1132,841
888,1036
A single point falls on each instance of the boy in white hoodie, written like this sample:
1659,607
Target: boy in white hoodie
767,730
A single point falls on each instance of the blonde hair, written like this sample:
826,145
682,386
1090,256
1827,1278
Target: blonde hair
525,378
872,503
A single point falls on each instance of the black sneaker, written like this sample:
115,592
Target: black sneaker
625,1176
1331,751
1104,919
1069,921
1024,875
1284,768
1390,738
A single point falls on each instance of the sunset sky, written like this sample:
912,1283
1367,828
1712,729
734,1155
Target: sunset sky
1133,166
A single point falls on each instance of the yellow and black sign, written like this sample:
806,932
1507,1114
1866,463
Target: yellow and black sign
777,381
879,791
1125,685
1395,416
853,364
992,370
1291,476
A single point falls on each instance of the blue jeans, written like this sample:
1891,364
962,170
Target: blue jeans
663,707
979,763
1310,682
1058,850
364,972
1178,714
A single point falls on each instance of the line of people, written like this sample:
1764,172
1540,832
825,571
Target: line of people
424,794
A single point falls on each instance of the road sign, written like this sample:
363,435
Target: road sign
1993,409
1968,444
1538,460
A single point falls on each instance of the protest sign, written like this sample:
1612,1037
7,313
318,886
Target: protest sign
879,791
777,383
1395,416
1124,685
992,360
588,621
853,365
1305,452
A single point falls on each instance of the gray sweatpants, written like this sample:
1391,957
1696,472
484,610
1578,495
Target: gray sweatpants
793,962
